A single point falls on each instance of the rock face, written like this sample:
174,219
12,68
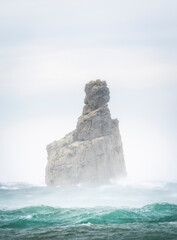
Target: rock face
92,154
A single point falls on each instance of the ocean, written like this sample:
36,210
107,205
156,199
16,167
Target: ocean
124,210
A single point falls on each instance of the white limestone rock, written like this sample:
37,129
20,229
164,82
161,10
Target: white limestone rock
92,154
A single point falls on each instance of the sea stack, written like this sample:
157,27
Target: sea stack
92,154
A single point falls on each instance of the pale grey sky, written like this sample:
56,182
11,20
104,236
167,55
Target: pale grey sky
50,49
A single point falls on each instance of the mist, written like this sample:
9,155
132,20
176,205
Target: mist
49,51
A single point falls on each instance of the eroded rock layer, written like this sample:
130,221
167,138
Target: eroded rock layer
92,154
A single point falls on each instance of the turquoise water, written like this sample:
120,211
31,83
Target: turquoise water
119,211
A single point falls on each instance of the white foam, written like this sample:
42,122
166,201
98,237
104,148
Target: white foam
87,224
26,217
9,188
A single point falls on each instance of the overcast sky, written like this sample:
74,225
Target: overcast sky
50,49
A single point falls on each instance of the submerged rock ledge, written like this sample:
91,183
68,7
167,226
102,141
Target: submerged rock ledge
92,154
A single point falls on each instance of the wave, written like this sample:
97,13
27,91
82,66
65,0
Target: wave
125,183
46,216
19,185
22,195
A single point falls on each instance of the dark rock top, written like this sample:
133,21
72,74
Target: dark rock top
95,120
97,95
